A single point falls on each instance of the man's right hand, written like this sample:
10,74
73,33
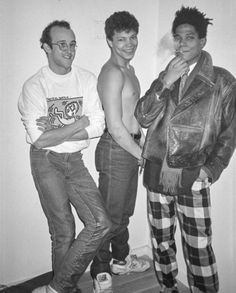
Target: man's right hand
176,68
43,123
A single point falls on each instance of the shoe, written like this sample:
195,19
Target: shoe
132,264
44,289
170,290
102,283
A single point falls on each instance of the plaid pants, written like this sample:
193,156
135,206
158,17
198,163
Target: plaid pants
193,213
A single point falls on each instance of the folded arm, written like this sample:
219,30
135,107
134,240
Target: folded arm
55,136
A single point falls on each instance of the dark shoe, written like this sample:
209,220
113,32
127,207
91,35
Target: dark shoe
170,290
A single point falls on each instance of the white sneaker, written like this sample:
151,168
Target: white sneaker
132,264
102,283
44,289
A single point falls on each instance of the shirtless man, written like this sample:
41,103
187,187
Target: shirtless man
118,153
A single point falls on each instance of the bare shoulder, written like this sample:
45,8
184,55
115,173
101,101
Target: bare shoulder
110,72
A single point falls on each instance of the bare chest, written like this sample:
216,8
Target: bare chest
131,89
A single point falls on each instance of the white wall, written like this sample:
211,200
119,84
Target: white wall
24,238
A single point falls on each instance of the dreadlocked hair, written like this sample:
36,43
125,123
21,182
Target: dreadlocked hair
192,16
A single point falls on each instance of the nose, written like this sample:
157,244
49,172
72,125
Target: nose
182,42
177,46
128,42
68,49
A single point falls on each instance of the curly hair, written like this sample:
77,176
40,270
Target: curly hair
120,21
46,37
193,16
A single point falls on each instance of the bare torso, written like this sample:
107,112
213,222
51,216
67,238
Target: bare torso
130,93
130,96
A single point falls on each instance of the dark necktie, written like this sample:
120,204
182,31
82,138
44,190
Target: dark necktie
181,85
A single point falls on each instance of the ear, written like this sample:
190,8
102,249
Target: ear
47,48
203,42
109,42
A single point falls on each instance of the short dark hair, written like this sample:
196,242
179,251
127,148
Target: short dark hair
120,21
188,15
46,36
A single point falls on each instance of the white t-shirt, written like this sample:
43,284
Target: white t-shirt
63,98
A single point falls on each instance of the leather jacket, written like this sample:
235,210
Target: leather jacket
197,132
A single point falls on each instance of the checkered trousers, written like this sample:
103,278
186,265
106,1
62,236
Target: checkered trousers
193,213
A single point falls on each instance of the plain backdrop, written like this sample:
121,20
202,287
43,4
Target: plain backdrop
24,238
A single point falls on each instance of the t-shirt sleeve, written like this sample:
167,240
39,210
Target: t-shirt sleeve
32,105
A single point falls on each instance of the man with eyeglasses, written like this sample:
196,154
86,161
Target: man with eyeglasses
61,111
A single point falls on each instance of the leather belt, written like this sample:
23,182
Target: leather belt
134,135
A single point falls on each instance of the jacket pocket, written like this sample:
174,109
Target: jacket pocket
184,146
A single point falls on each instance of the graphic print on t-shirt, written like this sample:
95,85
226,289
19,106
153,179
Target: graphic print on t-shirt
64,111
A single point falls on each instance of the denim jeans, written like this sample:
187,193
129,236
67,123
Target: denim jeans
62,180
118,179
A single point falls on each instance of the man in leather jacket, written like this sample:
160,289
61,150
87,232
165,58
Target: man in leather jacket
190,139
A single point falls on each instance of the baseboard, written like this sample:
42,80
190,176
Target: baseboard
142,250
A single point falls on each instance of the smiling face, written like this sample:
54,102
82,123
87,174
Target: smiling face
124,44
60,61
187,43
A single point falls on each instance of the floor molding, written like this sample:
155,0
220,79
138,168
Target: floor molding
144,251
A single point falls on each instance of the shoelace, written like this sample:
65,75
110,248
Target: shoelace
103,278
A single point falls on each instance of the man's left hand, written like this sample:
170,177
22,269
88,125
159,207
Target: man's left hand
43,123
203,175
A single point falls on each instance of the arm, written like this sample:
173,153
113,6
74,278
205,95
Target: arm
93,109
142,139
226,141
87,126
110,85
32,105
44,125
153,103
75,131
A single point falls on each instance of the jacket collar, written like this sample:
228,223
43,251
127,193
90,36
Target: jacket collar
203,69
200,80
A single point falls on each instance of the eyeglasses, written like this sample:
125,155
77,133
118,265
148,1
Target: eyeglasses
63,46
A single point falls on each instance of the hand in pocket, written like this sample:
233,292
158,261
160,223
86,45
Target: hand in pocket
201,182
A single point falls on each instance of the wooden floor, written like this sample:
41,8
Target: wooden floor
133,283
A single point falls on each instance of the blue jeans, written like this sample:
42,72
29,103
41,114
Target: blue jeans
62,180
118,179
